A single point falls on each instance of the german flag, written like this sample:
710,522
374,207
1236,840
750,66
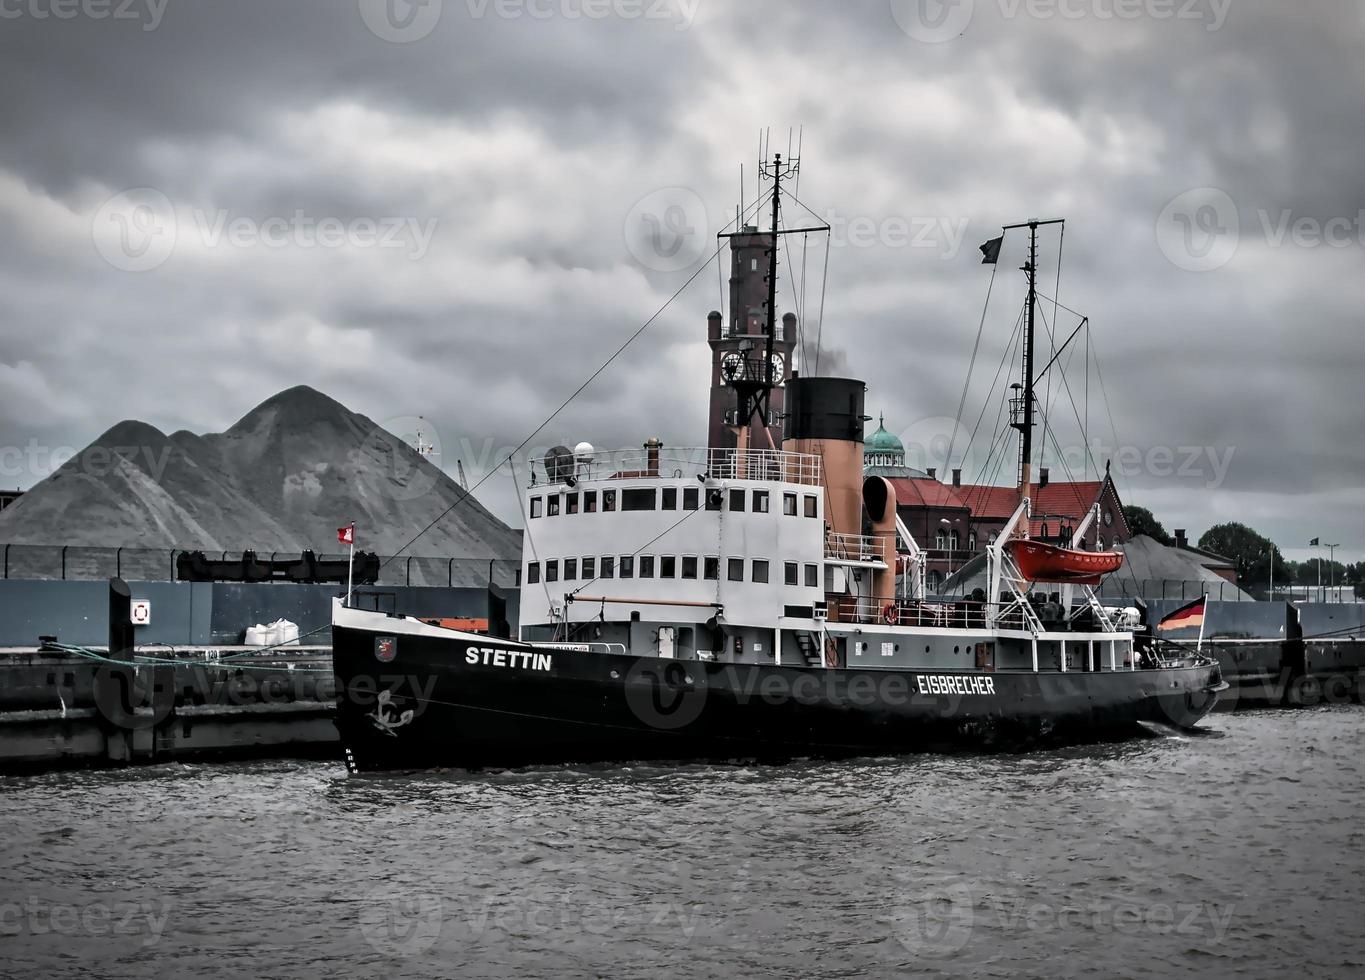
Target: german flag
1190,614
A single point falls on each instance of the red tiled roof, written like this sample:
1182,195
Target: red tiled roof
924,492
1070,500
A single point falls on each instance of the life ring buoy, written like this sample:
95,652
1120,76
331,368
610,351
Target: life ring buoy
891,614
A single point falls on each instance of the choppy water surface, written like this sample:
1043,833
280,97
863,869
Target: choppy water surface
1234,854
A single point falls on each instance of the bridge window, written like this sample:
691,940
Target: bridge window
608,567
689,566
590,568
812,576
710,568
668,566
714,499
690,498
552,506
789,504
570,569
760,570
646,566
638,498
791,573
590,501
533,573
608,499
535,506
812,506
571,503
626,567
670,498
552,571
760,501
735,570
736,499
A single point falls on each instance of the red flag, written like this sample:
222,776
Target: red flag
346,535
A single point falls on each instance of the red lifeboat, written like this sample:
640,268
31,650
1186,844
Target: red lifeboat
1041,562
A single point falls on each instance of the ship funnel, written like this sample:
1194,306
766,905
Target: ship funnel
879,497
825,418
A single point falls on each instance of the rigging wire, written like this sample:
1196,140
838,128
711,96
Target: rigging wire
1008,355
820,320
563,405
636,553
530,539
976,346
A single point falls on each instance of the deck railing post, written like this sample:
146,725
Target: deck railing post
409,570
64,547
450,574
118,563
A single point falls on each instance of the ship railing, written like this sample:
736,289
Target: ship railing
769,465
964,614
853,547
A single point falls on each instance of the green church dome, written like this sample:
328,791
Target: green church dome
883,443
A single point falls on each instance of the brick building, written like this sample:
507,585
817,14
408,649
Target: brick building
954,521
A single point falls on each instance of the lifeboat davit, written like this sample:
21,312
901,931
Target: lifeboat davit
1041,562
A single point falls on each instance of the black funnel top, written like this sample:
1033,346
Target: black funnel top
824,408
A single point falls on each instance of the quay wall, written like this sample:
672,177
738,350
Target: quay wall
210,613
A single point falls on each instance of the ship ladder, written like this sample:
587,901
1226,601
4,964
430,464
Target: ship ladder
810,649
1014,579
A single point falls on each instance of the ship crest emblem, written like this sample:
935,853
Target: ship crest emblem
385,648
386,717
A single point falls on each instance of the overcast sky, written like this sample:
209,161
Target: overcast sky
459,210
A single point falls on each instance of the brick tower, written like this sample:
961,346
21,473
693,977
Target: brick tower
747,329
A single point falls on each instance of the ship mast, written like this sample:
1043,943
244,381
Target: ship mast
754,382
1023,408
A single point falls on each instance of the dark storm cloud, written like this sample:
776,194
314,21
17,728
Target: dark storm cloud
521,136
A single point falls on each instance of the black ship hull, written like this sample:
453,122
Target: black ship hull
424,701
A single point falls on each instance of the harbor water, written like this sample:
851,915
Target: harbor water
1238,852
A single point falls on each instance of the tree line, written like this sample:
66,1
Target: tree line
1253,554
